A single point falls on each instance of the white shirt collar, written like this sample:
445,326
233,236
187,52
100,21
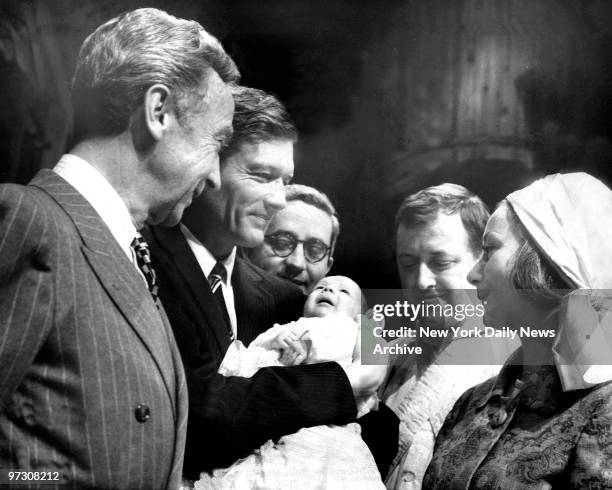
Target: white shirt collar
206,259
92,185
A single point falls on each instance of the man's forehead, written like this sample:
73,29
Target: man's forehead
271,152
441,233
225,133
214,93
212,109
303,220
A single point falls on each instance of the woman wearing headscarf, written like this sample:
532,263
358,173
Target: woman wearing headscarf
546,420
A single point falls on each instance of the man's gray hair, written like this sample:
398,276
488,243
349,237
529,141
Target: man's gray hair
125,56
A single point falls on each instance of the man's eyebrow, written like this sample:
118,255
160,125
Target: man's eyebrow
225,135
264,167
272,169
285,232
259,166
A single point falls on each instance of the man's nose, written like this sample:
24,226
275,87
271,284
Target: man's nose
426,278
275,199
213,179
475,275
296,262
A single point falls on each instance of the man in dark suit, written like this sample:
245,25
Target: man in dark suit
239,414
91,381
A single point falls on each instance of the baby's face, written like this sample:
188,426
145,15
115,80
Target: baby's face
334,294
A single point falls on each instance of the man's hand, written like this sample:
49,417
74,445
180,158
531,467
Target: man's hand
364,379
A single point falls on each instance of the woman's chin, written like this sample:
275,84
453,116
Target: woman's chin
489,320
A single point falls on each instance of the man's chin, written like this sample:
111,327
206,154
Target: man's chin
301,284
251,238
171,219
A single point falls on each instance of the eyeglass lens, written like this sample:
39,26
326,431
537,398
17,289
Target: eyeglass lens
283,245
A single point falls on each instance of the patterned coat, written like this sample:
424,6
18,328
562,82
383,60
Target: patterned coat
508,433
422,390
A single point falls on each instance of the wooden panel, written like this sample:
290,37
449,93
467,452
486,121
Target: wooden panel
454,73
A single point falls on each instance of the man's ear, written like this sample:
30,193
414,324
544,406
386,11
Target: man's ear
330,262
157,110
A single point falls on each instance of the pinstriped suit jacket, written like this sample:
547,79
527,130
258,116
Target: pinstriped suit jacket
81,346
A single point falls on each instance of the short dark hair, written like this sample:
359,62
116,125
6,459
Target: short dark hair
532,271
421,207
316,198
122,58
258,117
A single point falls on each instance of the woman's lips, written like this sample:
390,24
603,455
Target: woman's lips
482,295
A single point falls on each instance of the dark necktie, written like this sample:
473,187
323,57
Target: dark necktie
217,276
143,260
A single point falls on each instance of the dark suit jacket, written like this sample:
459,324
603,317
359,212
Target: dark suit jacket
82,346
231,416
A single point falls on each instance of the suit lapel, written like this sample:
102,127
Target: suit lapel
250,295
176,248
115,272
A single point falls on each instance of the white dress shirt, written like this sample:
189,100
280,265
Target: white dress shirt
207,261
92,185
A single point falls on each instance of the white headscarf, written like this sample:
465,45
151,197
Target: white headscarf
569,216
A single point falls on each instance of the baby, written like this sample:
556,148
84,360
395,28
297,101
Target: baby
328,331
315,457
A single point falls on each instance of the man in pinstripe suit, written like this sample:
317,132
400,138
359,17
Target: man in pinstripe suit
91,382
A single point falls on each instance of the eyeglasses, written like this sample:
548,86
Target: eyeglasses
283,244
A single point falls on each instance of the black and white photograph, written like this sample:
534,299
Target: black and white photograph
305,244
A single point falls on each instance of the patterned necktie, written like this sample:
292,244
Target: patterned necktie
217,276
143,260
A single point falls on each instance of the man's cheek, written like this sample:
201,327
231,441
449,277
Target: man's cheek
276,263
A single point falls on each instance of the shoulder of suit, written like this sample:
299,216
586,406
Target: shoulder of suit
31,221
26,196
28,204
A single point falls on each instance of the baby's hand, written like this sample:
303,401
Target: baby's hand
294,347
296,354
284,340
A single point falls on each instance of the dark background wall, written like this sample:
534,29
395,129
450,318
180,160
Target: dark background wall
389,96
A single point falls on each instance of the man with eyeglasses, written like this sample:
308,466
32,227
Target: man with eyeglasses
213,297
298,246
300,239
